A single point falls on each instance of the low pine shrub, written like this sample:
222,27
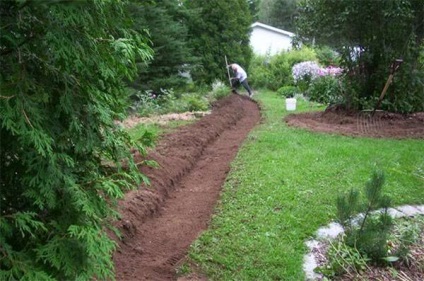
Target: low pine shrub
366,235
369,233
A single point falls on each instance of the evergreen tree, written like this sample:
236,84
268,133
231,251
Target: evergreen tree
63,161
254,8
168,35
218,28
279,13
283,14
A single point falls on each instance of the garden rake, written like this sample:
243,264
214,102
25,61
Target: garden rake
393,68
367,121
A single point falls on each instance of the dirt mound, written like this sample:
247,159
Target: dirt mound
361,124
193,164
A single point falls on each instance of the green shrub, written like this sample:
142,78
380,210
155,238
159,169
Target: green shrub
194,103
407,94
299,55
143,103
327,56
280,71
271,72
325,90
288,91
219,90
260,72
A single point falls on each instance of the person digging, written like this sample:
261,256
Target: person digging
240,77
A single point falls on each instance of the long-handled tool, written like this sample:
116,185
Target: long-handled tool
228,71
393,68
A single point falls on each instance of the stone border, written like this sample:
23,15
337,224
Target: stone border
332,230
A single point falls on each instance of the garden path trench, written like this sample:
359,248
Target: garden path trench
161,221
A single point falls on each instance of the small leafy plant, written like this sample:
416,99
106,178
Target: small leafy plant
343,260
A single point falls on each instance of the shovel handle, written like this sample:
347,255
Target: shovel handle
228,71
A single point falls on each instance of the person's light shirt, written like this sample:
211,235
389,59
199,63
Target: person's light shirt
239,72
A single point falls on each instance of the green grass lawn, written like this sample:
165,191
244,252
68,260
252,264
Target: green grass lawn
282,187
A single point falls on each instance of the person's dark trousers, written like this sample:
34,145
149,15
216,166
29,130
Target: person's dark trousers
234,85
246,86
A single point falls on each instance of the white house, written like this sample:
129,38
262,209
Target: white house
266,39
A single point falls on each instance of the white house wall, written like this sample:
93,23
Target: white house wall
264,41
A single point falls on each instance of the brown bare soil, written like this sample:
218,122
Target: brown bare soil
160,221
361,124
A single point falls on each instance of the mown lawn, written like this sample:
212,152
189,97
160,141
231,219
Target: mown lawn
282,188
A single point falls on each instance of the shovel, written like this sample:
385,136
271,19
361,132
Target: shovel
228,71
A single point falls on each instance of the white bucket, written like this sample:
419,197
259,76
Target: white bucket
291,104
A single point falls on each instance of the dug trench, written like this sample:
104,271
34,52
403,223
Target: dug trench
160,221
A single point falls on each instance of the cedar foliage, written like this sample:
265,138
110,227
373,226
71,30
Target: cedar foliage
61,156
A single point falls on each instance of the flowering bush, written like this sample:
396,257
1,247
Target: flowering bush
305,71
330,71
309,70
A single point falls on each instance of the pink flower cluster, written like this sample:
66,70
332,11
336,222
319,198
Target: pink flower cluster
309,70
330,70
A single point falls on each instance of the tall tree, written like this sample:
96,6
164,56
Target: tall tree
63,161
218,28
279,13
370,35
165,21
283,14
254,8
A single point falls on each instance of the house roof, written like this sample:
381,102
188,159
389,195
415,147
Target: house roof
268,27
